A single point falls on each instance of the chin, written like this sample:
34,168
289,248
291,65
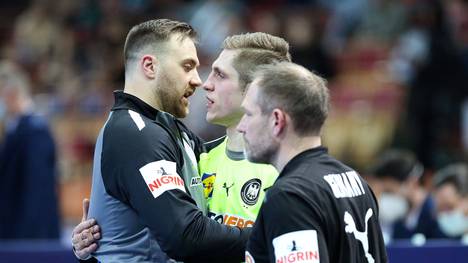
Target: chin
182,113
252,157
260,155
214,120
255,159
208,118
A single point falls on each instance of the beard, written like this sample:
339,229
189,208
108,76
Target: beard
171,101
262,152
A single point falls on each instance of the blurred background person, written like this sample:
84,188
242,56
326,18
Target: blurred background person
28,198
451,197
406,207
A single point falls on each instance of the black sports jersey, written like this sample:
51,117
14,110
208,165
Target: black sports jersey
318,210
146,189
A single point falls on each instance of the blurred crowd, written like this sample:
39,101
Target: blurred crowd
397,71
411,209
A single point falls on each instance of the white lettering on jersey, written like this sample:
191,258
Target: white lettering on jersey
137,119
298,246
345,184
249,258
350,228
161,176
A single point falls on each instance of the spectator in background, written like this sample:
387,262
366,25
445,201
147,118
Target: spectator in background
304,30
406,208
432,124
28,198
451,197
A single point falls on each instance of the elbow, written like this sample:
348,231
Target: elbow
182,242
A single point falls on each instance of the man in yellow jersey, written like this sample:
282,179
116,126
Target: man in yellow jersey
234,187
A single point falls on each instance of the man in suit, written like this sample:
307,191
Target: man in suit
28,198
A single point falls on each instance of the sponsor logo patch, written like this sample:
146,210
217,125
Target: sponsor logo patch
231,220
298,246
196,180
208,182
161,176
251,191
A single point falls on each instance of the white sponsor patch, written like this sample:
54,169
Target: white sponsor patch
298,246
249,258
196,180
161,176
137,119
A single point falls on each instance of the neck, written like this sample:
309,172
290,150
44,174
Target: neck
144,93
235,141
292,146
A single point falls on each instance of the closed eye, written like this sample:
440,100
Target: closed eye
188,67
219,74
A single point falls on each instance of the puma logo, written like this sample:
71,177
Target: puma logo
350,228
225,186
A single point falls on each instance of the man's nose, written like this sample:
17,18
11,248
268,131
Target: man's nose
196,81
240,126
208,85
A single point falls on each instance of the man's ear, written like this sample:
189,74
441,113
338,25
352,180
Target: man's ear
149,66
278,121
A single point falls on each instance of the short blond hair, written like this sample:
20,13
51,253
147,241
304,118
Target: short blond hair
255,49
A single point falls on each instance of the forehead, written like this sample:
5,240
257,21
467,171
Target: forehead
447,191
181,48
251,95
225,59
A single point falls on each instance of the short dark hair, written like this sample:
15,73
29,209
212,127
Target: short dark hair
455,174
296,90
153,32
398,164
255,49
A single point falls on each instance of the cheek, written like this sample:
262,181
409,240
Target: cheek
255,127
230,95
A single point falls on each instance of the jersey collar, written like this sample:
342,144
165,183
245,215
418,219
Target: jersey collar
127,101
307,154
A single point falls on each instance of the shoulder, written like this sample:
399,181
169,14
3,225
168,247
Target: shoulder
35,122
216,153
130,126
216,144
131,137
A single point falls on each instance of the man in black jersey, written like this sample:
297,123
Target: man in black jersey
146,194
318,210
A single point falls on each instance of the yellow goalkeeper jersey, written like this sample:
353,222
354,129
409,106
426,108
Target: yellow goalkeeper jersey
233,186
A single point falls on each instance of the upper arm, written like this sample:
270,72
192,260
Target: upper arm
294,228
